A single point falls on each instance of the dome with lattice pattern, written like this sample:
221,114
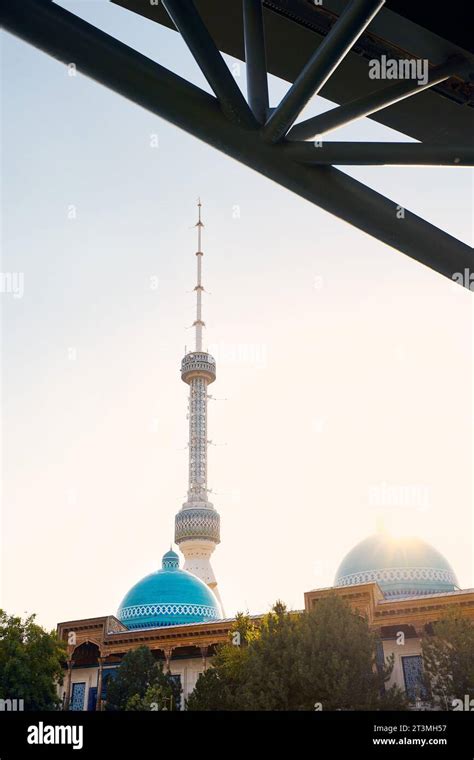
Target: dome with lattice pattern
170,596
402,567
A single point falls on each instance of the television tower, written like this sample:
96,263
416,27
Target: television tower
197,524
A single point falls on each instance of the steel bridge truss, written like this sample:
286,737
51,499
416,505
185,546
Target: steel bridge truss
266,139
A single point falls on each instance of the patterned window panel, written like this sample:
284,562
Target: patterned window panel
106,676
92,699
413,675
77,697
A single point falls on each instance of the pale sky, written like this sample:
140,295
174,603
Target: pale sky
345,366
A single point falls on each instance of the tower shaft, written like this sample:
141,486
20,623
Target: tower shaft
197,482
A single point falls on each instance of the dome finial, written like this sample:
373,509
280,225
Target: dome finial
381,523
170,560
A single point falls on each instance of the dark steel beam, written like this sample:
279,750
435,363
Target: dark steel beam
375,101
129,73
349,26
188,22
255,59
378,154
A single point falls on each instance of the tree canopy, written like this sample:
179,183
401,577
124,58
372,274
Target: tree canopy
324,659
448,660
31,663
141,684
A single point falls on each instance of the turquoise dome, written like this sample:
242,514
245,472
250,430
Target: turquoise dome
402,567
169,596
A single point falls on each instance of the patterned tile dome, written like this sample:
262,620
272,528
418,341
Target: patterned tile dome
402,567
169,596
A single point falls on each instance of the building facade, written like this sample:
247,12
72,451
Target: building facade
187,649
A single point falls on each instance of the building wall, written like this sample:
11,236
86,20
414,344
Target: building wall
188,669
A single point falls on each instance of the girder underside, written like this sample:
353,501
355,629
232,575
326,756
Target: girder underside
231,125
295,28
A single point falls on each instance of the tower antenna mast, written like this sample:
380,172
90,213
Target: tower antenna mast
198,323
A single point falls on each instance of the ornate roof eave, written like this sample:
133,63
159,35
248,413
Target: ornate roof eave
173,636
417,610
105,622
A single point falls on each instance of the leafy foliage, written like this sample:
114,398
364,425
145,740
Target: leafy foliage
141,684
448,659
216,689
156,697
31,663
324,659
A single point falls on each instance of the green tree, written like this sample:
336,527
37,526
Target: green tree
448,660
156,697
325,659
216,689
31,663
141,684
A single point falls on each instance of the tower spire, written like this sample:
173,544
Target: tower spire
197,524
198,323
